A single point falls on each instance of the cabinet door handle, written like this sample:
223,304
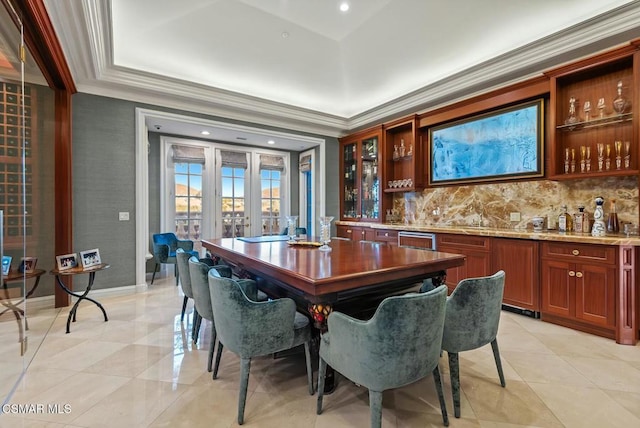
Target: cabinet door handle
386,234
578,274
575,252
348,230
362,233
572,273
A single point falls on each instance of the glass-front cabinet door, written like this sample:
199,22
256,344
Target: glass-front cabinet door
360,192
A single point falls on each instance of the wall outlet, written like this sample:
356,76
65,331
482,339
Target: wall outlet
123,216
514,217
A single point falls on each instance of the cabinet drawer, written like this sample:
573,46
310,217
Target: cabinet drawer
385,235
464,241
579,252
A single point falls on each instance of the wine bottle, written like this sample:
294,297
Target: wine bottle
612,221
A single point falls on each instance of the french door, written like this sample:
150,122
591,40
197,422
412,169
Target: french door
215,190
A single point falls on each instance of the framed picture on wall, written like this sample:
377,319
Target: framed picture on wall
90,258
67,261
502,144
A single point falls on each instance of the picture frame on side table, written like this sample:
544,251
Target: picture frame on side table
502,144
90,258
6,264
28,265
67,261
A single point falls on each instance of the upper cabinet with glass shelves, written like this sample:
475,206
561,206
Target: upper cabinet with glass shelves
360,191
594,106
403,156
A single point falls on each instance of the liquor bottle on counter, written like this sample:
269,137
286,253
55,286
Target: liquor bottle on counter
599,227
586,223
551,219
578,219
612,221
565,222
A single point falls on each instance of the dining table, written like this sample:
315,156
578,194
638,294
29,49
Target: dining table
353,277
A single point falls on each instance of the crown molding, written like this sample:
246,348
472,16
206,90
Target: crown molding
89,51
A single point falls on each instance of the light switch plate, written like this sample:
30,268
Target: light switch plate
123,216
514,217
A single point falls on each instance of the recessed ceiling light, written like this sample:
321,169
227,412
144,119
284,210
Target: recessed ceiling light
271,142
285,35
205,133
344,6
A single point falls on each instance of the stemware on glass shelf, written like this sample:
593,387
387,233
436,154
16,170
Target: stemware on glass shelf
325,232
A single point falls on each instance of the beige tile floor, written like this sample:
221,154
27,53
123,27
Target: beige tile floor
140,370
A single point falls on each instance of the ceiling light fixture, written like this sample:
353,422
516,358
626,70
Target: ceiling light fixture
271,142
285,35
205,132
344,6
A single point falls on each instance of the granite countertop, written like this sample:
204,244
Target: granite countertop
552,235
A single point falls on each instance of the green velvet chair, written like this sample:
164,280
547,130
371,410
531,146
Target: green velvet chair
198,272
165,246
471,321
250,329
182,263
399,345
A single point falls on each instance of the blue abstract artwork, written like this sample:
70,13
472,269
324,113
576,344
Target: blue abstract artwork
499,145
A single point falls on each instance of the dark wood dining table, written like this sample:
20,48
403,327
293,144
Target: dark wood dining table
352,272
353,277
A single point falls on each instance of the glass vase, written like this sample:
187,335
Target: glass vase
292,223
325,233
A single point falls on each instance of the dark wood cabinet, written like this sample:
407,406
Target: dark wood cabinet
578,287
583,116
388,236
403,156
355,233
475,248
518,258
361,196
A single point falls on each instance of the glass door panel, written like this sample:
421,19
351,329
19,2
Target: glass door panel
188,202
270,197
234,204
370,183
351,208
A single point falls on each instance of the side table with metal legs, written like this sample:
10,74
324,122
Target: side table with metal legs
83,296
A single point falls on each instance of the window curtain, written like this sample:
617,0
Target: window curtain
233,159
305,163
272,162
187,154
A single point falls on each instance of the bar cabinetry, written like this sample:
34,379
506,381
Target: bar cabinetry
578,287
518,258
403,156
360,191
594,117
477,252
355,233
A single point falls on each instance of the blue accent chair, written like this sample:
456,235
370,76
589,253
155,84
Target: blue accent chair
165,246
399,345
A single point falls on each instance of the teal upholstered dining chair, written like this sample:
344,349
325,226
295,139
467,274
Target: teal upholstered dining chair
165,246
198,272
399,345
182,263
250,329
471,321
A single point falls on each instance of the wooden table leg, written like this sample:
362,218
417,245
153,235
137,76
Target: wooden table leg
320,312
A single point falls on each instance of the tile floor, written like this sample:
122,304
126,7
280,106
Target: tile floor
140,370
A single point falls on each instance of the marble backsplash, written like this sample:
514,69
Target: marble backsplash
490,205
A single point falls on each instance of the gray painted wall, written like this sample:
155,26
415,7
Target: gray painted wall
104,181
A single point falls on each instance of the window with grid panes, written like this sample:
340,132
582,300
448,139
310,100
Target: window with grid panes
270,191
